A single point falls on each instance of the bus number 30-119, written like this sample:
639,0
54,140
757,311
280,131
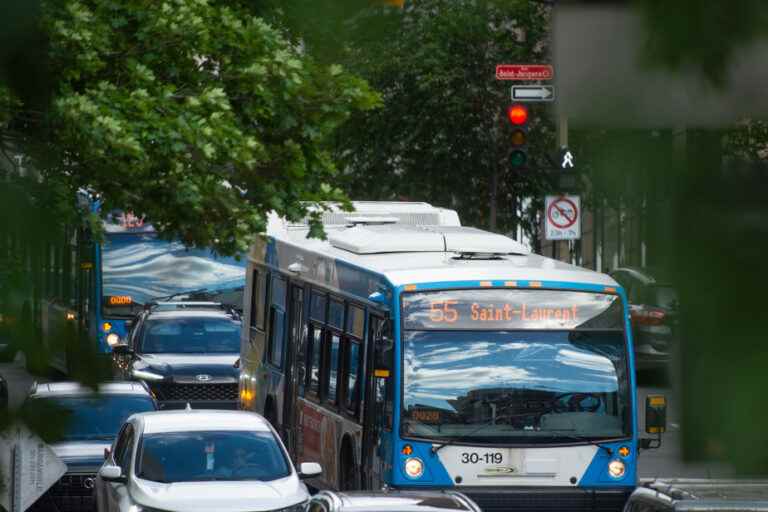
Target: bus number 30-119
476,458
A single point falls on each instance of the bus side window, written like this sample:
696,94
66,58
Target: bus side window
352,372
258,298
334,353
383,371
314,353
352,355
277,322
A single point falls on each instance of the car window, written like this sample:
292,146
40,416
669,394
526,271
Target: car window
190,336
96,417
123,448
207,456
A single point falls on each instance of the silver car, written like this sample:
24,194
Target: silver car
200,460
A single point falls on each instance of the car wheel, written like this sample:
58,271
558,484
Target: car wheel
348,473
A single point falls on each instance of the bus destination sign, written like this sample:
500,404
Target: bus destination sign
511,309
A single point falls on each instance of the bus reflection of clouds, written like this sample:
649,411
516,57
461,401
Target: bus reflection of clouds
438,373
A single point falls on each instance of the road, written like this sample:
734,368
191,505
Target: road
663,462
666,462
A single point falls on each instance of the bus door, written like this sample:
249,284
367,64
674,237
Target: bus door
291,374
377,412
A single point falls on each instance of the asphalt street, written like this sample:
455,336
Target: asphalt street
665,462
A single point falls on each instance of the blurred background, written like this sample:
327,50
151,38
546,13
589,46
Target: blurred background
663,106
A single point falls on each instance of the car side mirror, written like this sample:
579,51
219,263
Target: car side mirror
107,453
111,473
655,414
655,420
309,470
122,349
237,364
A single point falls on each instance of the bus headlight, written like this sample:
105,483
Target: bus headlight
616,468
414,468
113,339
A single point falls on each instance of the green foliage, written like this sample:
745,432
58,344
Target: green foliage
703,35
442,134
195,112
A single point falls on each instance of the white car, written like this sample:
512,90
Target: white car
200,460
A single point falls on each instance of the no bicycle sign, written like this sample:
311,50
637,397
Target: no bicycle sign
562,217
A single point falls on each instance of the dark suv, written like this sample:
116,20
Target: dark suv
185,352
653,305
90,422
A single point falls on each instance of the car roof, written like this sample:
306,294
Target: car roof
52,389
648,275
192,313
699,489
191,420
401,501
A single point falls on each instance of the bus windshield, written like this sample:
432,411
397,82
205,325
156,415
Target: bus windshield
514,366
137,268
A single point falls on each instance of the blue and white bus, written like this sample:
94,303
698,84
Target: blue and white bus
408,351
100,284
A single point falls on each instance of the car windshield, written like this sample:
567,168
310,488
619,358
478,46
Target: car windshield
190,336
138,268
93,417
207,456
559,371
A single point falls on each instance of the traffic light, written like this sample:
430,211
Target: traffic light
518,117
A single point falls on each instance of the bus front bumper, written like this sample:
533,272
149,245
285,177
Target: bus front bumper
542,499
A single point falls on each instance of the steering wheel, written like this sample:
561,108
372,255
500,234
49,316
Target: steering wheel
574,402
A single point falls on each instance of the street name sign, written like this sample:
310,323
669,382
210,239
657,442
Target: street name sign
533,93
562,219
29,467
524,72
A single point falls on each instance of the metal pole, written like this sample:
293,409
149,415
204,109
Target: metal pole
16,469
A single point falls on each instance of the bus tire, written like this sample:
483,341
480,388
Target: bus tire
349,476
270,413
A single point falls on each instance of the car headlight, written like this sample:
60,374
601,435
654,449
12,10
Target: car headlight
414,468
616,468
145,375
112,339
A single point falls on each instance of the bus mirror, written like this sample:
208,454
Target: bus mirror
655,414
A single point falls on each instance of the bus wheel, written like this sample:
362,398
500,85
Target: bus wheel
270,414
348,473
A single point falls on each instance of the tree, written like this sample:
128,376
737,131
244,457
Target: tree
442,134
195,112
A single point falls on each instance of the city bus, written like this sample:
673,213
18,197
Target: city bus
97,284
407,351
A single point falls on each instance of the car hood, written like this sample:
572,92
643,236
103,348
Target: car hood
246,496
81,454
216,366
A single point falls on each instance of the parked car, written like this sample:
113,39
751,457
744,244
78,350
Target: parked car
700,496
653,305
185,352
391,501
201,460
91,423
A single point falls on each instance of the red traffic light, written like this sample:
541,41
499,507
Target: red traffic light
518,114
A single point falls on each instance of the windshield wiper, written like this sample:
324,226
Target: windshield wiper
583,439
471,434
555,435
